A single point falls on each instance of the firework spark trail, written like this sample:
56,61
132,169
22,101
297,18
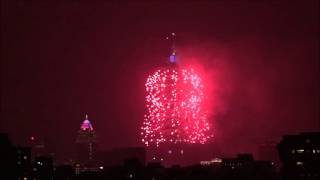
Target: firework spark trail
175,110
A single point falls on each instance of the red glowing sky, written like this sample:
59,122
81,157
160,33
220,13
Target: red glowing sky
60,61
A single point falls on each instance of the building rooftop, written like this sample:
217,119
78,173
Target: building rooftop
86,124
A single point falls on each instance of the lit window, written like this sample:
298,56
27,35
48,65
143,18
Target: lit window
299,163
101,167
300,150
293,151
313,151
25,157
216,160
131,176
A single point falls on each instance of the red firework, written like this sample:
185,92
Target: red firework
175,108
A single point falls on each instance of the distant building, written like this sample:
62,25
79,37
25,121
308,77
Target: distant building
43,167
300,156
86,142
15,162
118,155
40,147
7,158
23,161
155,170
179,154
244,166
240,161
267,151
64,172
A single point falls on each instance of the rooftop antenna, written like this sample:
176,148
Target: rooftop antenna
173,55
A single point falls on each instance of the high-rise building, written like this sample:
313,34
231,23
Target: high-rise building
176,115
300,156
7,158
86,142
23,160
15,161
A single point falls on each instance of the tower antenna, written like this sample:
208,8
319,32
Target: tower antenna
173,55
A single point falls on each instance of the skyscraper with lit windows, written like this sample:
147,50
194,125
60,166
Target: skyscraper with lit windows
86,141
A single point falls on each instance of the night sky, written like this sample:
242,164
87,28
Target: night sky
60,61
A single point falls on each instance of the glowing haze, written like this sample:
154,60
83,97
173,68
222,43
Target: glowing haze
176,112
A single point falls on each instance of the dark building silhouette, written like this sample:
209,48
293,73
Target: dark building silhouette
300,156
133,168
15,162
267,151
239,161
41,146
155,170
118,155
7,158
64,172
43,167
245,167
23,161
179,154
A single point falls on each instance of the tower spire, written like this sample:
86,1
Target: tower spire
173,57
173,38
86,124
86,140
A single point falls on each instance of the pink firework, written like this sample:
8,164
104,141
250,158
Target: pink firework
175,108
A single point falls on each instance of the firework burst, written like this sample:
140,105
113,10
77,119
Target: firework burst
175,108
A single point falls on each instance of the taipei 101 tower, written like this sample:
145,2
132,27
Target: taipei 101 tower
176,111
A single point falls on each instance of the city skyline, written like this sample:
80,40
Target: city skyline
299,155
60,61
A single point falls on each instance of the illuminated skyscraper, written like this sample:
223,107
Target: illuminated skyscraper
176,110
86,141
